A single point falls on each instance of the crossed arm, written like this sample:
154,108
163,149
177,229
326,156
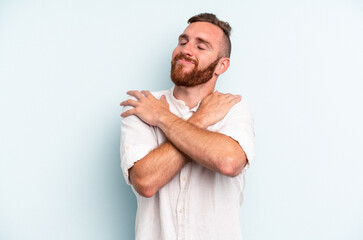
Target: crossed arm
187,140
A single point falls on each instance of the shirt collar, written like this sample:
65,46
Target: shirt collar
181,103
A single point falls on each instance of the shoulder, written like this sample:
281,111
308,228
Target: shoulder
241,107
158,94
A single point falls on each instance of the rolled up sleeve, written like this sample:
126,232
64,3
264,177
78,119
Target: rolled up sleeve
239,125
137,140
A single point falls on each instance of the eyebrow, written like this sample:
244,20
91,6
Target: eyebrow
183,36
200,40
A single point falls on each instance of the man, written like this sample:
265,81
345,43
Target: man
185,150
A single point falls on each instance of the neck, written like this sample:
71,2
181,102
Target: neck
193,95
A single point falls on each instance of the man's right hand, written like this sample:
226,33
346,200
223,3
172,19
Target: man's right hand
214,108
146,107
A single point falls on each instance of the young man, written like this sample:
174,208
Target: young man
185,150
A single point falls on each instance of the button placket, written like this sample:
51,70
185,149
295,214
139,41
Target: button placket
181,210
181,202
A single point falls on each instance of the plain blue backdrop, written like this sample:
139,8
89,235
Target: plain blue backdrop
66,65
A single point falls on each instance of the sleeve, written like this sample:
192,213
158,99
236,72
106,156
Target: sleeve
239,125
137,140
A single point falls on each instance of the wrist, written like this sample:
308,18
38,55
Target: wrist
165,119
197,121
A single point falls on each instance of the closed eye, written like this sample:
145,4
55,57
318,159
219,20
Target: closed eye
183,39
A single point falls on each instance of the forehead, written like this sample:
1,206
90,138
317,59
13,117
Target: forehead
204,30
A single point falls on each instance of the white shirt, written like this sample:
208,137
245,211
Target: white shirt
197,203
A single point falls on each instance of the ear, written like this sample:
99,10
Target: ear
222,66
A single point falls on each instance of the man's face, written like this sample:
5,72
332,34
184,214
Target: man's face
197,54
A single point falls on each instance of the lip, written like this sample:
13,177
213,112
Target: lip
185,61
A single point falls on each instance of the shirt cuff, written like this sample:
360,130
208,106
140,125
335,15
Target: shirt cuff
245,140
130,154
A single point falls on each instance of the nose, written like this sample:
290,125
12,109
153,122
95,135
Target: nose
187,50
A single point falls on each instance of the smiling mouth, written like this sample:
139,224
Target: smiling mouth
185,61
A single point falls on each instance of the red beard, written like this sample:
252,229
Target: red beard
194,77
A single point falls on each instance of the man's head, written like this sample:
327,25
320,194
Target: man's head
202,52
224,26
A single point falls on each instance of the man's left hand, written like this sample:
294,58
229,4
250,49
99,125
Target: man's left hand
214,108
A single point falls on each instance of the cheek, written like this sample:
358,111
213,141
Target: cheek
207,59
175,52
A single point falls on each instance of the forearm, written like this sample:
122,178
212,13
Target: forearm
156,169
188,140
212,150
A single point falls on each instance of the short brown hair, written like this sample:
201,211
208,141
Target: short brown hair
226,28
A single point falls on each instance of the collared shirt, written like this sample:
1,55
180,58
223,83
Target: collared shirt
197,204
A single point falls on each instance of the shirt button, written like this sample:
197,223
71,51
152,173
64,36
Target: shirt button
127,147
181,211
185,179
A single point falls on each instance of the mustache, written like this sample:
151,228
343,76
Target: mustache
182,57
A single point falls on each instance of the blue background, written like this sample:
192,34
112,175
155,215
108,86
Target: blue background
66,65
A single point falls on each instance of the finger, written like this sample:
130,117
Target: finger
128,113
146,93
236,99
163,99
136,94
129,102
231,96
225,97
